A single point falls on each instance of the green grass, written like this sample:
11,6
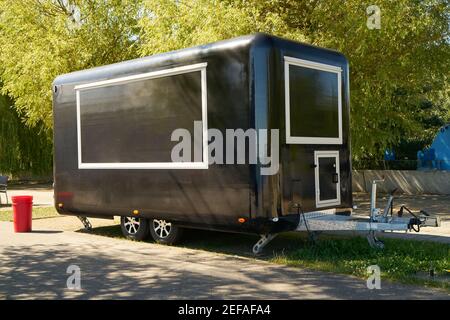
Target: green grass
400,261
38,213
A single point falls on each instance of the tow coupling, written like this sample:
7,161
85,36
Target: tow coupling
421,220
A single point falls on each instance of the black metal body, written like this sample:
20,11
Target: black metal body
245,89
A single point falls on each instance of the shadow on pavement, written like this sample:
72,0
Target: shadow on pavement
143,273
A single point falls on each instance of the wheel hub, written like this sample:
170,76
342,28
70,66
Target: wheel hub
132,225
162,228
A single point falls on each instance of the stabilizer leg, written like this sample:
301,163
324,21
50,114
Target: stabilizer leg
86,223
374,242
262,242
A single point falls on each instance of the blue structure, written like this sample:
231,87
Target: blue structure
437,156
389,155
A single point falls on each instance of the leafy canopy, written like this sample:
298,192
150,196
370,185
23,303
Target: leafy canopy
23,150
40,39
396,72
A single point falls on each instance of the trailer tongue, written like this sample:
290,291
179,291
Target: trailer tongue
377,221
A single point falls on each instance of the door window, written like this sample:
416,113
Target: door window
327,178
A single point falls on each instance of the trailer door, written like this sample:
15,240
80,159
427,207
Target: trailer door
327,185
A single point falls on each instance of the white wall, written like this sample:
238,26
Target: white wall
408,181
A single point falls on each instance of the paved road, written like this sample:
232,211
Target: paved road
34,265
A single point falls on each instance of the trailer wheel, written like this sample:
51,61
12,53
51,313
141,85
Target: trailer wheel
134,228
165,232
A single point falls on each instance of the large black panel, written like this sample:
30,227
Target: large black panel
313,102
133,122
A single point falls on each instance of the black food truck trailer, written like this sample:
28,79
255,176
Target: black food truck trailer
113,140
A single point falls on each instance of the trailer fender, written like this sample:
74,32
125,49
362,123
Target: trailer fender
276,224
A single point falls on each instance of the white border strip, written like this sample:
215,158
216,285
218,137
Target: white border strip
329,202
312,64
317,66
145,76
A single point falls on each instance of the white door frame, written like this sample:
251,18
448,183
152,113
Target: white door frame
329,202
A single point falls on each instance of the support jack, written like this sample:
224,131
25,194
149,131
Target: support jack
262,242
374,242
86,223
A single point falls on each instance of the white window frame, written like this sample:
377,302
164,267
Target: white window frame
201,67
288,61
329,202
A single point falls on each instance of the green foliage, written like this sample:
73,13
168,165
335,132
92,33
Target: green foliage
393,70
23,150
40,39
401,260
170,25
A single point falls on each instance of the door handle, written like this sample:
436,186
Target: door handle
335,177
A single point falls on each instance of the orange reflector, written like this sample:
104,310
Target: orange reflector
241,220
60,205
135,211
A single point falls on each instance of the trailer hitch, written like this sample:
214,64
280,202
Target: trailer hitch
422,220
379,220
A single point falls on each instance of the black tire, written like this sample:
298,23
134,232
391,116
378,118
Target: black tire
134,228
164,232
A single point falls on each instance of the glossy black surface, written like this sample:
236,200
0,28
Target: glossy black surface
313,102
327,180
145,113
245,80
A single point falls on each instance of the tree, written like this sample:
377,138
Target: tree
23,150
169,25
40,39
393,70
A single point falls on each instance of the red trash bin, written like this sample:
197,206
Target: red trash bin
22,208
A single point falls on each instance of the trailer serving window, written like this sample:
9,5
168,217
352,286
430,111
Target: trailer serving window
127,122
313,102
